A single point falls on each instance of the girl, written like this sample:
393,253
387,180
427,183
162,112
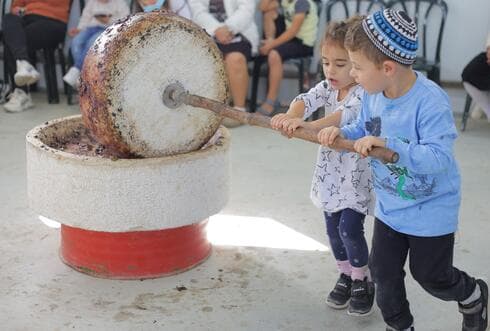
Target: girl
96,16
341,182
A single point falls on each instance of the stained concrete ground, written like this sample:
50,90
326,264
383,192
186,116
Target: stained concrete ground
255,282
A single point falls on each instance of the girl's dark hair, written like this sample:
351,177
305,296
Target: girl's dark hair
337,30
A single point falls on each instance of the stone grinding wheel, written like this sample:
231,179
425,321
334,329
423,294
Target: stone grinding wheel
125,73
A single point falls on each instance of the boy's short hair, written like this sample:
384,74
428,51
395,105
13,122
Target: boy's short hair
337,30
384,35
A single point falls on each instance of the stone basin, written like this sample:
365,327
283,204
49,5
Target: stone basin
125,218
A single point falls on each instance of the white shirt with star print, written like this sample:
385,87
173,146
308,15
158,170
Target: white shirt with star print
341,179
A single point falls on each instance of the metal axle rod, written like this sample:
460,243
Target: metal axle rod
175,95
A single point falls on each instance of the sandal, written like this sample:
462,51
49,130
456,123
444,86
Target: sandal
276,108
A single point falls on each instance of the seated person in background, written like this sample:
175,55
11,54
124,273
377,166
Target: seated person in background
179,7
96,16
30,25
297,41
476,81
273,20
231,23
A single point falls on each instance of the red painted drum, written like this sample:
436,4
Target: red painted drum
134,255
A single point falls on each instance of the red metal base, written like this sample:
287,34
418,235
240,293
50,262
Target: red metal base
134,255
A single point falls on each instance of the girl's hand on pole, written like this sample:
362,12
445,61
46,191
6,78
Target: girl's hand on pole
327,136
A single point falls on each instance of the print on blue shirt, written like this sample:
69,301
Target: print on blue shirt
397,183
374,126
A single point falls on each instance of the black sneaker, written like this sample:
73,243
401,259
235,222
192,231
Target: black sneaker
475,314
361,298
389,328
339,297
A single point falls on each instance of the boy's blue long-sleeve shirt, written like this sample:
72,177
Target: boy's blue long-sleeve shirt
420,194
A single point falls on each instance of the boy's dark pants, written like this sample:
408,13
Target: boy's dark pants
431,265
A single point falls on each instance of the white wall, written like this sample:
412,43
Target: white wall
468,24
465,33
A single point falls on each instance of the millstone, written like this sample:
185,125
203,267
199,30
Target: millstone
124,76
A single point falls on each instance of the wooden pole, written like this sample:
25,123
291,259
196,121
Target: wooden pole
384,154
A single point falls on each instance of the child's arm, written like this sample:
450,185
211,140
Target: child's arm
315,98
290,125
295,111
268,5
332,119
433,151
286,36
302,107
356,130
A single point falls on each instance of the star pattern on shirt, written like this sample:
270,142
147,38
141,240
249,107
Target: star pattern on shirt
336,173
334,190
326,155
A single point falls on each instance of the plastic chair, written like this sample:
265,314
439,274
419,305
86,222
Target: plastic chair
50,76
466,112
353,7
49,66
422,11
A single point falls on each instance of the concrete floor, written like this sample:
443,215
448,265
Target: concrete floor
270,268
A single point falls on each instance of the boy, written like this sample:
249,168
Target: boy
418,197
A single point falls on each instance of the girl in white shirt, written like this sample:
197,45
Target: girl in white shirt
342,186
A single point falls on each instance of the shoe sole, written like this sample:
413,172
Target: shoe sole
29,106
72,85
356,314
484,294
336,306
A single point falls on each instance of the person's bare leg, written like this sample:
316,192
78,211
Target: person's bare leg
275,78
270,24
236,68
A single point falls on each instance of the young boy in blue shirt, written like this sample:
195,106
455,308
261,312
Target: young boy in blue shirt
418,198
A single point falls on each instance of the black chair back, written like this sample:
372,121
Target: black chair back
341,9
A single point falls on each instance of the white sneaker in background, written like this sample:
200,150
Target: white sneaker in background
72,77
477,113
26,74
18,101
